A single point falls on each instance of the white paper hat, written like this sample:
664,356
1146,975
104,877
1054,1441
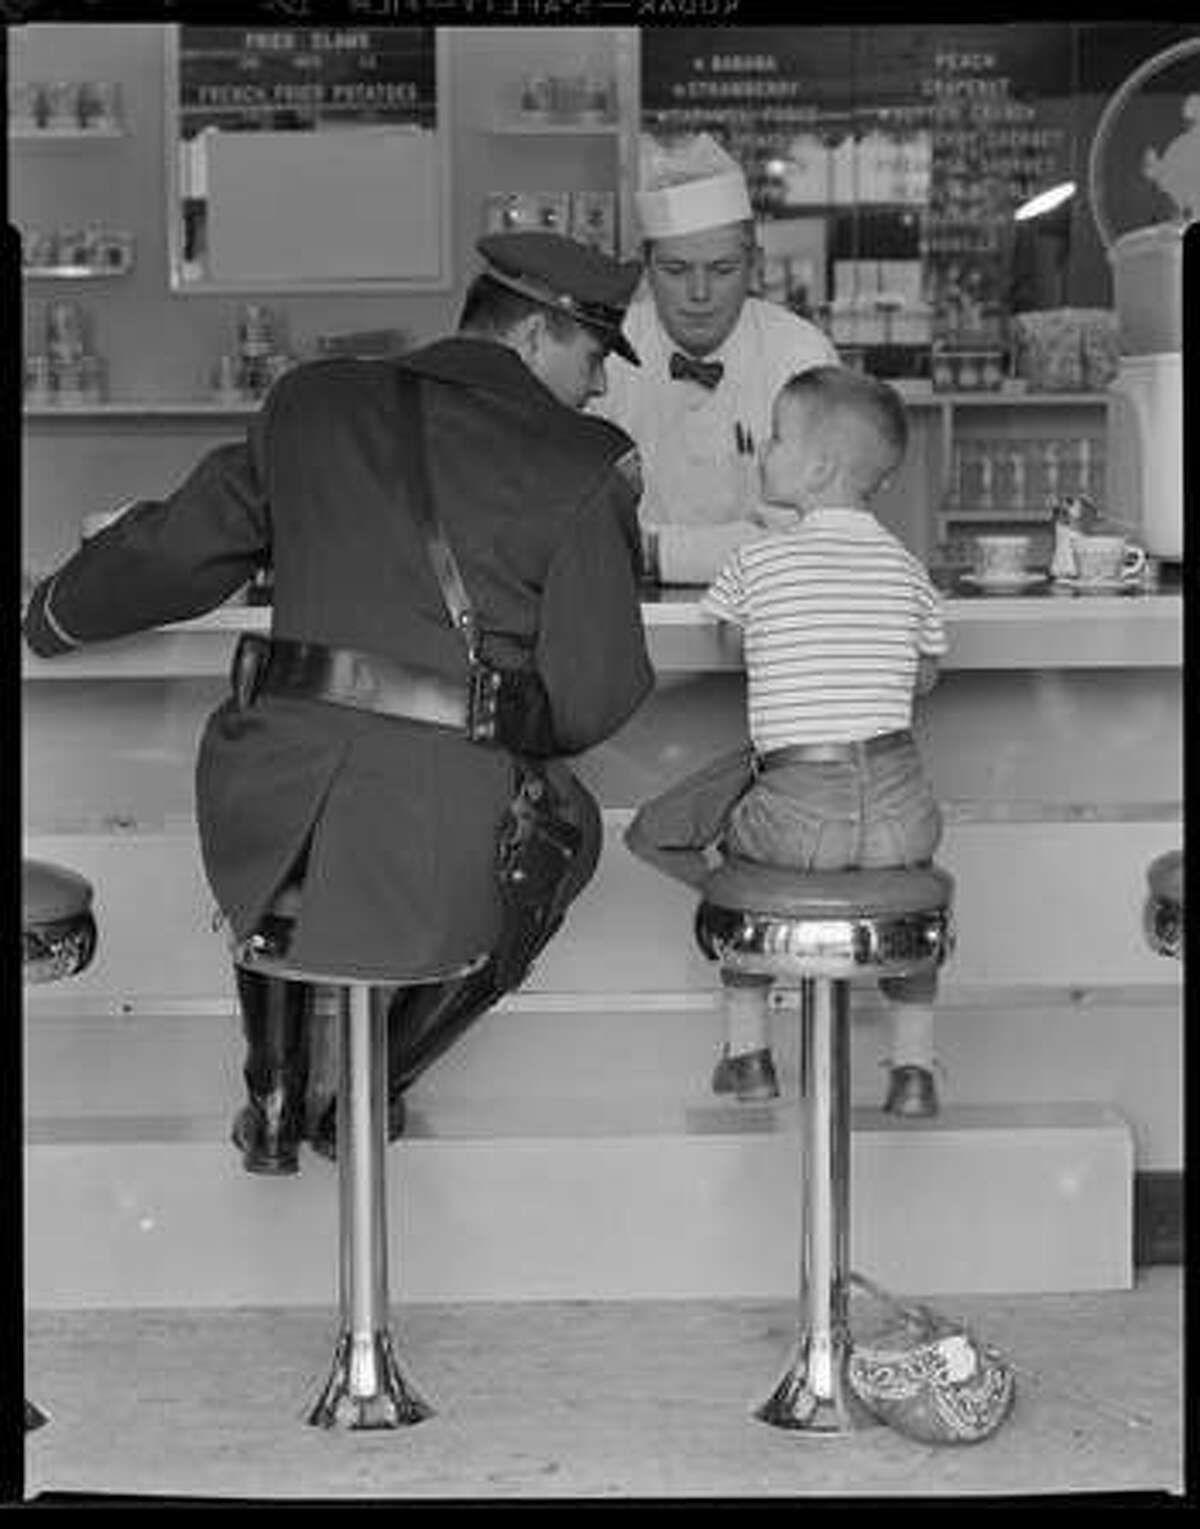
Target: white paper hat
688,185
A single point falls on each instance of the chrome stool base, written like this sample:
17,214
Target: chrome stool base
812,1395
367,1389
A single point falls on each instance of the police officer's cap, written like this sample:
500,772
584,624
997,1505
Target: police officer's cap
567,276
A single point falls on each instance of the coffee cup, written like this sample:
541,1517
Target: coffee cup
1001,559
1107,559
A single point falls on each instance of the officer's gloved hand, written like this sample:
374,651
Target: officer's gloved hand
696,554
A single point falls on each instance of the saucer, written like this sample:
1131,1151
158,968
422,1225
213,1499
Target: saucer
1098,586
1004,583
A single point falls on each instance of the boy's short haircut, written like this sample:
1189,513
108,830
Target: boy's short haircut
829,390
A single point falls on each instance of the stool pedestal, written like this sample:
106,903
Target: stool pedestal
812,1393
816,932
366,1388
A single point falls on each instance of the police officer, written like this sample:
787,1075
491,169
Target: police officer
712,360
391,819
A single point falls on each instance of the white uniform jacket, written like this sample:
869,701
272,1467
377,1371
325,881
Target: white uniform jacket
700,492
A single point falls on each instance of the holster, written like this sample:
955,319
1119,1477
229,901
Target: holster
509,707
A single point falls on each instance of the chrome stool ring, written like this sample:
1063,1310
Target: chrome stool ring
788,947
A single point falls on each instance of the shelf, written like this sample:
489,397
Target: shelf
73,272
138,409
1001,400
65,134
914,391
552,128
857,209
1034,517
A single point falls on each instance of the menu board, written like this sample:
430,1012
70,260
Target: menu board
901,152
248,79
308,157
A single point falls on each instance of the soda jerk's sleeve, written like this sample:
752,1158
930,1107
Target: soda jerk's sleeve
591,648
161,560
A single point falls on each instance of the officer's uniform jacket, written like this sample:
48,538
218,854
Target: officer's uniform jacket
539,504
700,493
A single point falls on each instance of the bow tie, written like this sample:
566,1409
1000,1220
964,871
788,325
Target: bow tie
706,373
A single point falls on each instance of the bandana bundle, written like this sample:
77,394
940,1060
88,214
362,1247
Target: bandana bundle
929,1377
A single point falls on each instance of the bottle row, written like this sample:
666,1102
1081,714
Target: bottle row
92,250
63,367
64,106
1024,476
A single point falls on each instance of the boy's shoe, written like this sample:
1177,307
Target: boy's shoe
749,1075
911,1092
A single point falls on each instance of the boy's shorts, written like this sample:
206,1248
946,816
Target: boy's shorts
832,815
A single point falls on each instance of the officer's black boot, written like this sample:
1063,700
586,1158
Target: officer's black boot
269,1126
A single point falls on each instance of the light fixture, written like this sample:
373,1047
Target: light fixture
1045,201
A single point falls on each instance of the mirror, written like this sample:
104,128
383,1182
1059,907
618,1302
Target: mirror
309,159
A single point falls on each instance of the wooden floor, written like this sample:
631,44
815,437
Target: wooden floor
586,1400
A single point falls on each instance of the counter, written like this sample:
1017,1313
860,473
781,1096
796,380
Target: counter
1047,628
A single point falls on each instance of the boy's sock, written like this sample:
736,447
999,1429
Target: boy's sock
747,1019
911,1026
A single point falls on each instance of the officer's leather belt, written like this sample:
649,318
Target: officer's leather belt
365,681
833,753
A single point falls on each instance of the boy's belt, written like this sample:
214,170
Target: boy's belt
366,681
833,753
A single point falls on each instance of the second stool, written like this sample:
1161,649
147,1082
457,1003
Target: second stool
366,1388
58,939
816,931
1163,913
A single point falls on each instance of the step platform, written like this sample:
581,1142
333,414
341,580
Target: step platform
584,1199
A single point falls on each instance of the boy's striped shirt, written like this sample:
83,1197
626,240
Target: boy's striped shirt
834,616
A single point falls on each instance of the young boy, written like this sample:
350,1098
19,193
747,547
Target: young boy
840,627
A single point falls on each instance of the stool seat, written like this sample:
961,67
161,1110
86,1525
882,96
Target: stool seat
267,949
58,929
51,894
1165,876
1162,915
783,923
757,888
